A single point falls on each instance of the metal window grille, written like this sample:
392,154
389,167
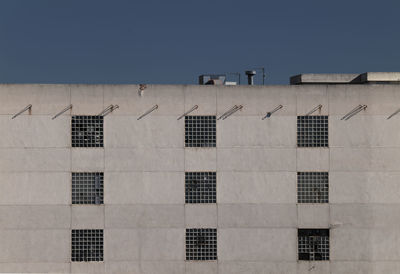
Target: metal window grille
200,187
201,244
312,187
312,131
200,131
87,131
313,244
87,187
87,245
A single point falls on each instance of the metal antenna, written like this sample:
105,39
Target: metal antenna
232,112
187,112
147,112
351,112
62,111
314,110
272,111
22,111
393,114
108,110
363,107
231,109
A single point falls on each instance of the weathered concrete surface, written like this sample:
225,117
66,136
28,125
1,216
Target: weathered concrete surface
144,215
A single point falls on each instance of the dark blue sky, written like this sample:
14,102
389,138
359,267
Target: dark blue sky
172,42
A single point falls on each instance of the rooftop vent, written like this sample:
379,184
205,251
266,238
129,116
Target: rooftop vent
250,76
212,79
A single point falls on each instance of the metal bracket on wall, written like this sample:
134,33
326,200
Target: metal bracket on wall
353,112
142,87
22,111
314,110
108,110
232,112
62,111
148,112
272,112
228,112
393,114
189,111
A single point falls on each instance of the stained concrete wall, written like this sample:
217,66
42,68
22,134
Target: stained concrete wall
144,215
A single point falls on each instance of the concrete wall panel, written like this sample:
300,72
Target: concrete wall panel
256,159
200,159
87,216
240,267
144,188
88,267
256,100
35,267
87,159
203,96
35,131
87,99
251,131
144,159
257,244
256,215
122,245
35,246
201,215
256,187
313,215
46,99
150,131
312,159
364,187
170,244
145,216
33,188
35,217
15,159
371,159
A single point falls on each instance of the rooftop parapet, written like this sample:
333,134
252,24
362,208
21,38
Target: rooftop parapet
348,78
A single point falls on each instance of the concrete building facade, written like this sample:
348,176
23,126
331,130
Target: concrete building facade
257,216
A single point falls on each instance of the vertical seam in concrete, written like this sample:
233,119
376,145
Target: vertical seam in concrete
297,205
70,182
329,184
216,171
104,194
184,183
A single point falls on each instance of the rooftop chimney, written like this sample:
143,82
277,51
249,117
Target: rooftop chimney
250,76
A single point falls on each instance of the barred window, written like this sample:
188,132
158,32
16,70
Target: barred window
200,131
201,244
87,245
312,131
313,244
87,187
312,187
200,187
87,131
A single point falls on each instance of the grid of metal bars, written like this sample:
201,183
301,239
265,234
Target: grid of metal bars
312,187
87,187
312,131
87,245
201,244
313,244
200,131
200,187
87,131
